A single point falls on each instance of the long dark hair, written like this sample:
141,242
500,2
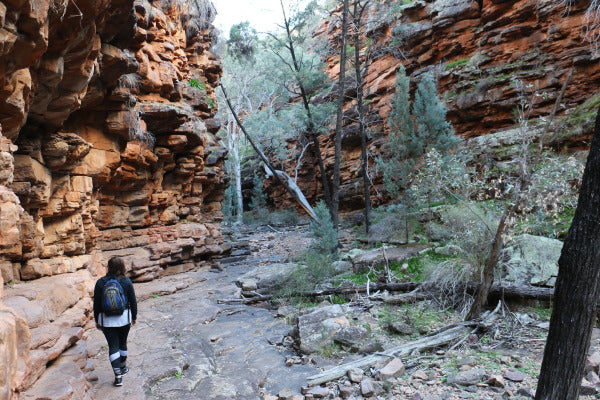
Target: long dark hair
116,266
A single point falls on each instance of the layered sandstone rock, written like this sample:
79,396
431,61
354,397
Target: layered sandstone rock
490,57
104,150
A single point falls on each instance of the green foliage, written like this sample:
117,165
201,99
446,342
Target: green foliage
197,84
430,114
211,103
413,133
242,41
548,204
457,63
443,179
313,269
325,237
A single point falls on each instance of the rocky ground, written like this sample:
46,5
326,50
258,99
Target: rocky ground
187,345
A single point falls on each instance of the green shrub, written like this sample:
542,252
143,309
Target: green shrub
313,269
413,130
325,237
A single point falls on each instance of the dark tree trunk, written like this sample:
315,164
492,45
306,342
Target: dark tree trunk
488,270
335,192
576,291
357,17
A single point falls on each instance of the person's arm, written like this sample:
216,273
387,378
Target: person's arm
130,293
97,300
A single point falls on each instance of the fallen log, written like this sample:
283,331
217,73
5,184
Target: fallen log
504,290
439,338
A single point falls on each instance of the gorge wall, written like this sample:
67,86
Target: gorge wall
479,51
107,147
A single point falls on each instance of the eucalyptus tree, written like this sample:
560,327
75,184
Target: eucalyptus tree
245,65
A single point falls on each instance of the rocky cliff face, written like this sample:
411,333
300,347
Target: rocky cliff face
107,148
489,56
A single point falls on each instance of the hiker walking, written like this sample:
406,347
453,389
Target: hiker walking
115,311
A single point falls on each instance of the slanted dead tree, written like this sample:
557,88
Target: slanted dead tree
577,291
312,133
284,179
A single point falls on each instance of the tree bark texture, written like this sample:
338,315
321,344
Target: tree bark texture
577,291
339,124
357,17
488,270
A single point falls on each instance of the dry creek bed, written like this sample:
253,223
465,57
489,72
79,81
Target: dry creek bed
187,345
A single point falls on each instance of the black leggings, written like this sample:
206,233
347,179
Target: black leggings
117,346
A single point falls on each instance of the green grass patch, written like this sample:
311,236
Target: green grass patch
416,265
197,84
330,350
457,63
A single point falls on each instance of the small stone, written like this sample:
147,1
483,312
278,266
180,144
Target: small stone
515,376
467,361
593,378
366,388
355,375
248,285
526,392
392,369
505,360
496,380
286,394
370,347
345,391
466,378
402,328
269,397
588,389
592,362
318,392
423,330
420,374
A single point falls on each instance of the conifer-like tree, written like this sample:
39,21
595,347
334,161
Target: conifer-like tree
413,130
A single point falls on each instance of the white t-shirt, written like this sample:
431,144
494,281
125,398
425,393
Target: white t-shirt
114,321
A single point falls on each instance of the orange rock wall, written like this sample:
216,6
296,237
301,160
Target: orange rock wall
105,149
478,50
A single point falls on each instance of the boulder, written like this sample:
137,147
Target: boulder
532,260
392,369
350,335
317,328
269,276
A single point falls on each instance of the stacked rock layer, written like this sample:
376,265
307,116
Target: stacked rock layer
107,147
490,57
